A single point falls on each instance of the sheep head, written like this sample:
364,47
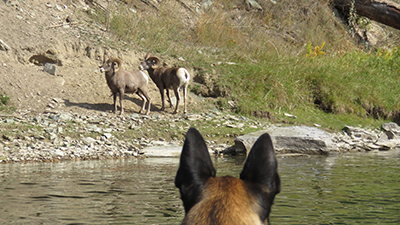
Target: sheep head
110,64
150,62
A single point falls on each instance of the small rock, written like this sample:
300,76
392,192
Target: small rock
290,115
4,46
53,136
58,100
49,68
107,135
65,117
88,140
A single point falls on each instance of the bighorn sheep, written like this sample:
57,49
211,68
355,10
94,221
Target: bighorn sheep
167,78
121,81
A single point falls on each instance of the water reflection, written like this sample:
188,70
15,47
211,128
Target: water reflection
346,189
343,189
91,192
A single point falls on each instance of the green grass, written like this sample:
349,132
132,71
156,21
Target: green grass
357,84
214,130
5,105
4,99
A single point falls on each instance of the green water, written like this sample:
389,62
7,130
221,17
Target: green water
346,189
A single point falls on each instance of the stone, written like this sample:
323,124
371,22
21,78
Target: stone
49,68
9,120
356,132
4,46
58,100
53,136
107,135
88,140
65,117
206,5
159,143
296,139
392,130
252,4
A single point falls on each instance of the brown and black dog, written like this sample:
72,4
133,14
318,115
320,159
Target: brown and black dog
227,200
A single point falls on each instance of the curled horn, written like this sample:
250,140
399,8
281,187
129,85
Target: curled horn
118,61
105,57
155,60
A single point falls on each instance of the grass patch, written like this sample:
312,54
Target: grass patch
4,99
357,83
214,127
5,105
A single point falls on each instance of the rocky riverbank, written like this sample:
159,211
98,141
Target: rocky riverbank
305,140
59,135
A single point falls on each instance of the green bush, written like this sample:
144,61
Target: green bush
4,99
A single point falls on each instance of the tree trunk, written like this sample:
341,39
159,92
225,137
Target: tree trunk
383,11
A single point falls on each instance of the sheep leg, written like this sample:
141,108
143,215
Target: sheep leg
178,98
162,98
184,99
115,102
144,97
169,99
149,102
121,97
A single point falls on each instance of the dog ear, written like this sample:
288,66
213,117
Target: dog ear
194,170
261,172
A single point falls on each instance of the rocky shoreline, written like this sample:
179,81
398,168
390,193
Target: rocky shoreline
57,135
304,140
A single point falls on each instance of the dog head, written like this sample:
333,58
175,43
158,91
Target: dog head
208,199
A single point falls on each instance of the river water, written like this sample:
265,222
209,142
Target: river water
359,188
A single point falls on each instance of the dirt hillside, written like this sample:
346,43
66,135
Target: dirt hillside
33,33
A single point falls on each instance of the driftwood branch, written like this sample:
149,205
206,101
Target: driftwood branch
383,11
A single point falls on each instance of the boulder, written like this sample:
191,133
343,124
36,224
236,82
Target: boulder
392,130
296,139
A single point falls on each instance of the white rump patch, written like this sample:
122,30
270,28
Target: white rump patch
183,75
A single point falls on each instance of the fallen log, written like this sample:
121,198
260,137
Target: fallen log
383,11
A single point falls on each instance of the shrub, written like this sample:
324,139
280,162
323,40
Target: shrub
4,99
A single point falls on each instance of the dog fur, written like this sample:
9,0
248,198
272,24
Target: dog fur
208,199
